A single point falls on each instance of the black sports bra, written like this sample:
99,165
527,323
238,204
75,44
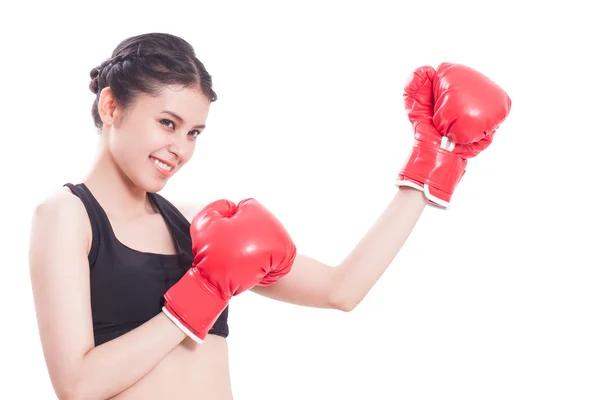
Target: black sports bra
127,286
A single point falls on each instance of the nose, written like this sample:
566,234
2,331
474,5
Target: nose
178,146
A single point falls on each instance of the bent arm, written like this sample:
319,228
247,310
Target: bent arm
59,273
114,366
314,284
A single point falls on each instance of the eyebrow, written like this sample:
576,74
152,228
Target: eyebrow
171,113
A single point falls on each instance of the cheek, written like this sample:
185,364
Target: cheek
134,141
147,138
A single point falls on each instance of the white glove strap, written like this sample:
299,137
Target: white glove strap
447,144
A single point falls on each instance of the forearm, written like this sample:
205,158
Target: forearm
367,262
114,366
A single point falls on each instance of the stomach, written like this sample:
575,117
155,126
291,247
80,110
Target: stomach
190,371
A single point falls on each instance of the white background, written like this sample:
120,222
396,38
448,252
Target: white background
496,298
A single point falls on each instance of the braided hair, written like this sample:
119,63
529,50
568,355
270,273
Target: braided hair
143,64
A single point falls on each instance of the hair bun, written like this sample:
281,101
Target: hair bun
94,85
94,73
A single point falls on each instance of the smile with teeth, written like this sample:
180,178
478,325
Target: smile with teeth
161,165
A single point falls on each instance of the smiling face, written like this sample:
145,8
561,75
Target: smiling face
156,135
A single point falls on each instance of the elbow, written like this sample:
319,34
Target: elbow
347,306
67,393
73,394
71,391
343,296
343,302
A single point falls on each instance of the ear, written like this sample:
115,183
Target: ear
107,107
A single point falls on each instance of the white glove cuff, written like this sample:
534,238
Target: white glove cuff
181,326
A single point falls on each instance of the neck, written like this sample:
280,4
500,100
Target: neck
116,193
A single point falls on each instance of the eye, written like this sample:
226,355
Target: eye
194,133
168,122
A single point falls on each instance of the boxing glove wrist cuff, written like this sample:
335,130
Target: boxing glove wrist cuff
181,326
194,305
435,170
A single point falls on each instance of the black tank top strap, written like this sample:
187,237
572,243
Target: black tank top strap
97,218
179,225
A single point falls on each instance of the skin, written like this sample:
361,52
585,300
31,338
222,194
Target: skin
157,360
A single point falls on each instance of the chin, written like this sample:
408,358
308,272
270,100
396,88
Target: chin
155,187
150,185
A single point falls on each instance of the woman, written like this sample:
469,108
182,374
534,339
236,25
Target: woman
104,252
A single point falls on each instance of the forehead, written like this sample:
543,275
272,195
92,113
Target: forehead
190,104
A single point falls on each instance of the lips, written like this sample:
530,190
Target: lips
162,164
164,167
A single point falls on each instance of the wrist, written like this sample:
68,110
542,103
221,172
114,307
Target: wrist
174,328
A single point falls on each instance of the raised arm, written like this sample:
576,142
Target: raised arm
59,270
315,284
455,112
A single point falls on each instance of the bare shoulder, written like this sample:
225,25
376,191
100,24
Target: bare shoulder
61,211
61,205
60,199
189,210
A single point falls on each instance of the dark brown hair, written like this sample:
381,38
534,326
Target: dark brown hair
145,63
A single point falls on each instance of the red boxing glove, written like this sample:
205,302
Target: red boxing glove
235,248
455,112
